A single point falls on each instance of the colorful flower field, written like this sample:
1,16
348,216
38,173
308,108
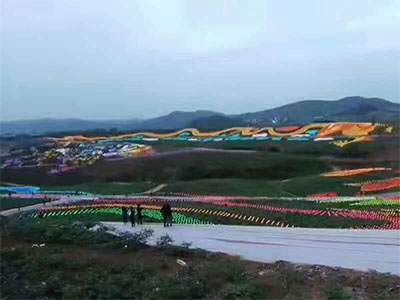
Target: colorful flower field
154,215
335,213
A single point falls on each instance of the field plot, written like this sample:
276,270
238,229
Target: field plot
354,212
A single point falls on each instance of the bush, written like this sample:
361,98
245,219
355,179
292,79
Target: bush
337,293
186,285
186,245
235,271
241,291
136,240
164,241
143,235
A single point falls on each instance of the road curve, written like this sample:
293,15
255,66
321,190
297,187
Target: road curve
355,249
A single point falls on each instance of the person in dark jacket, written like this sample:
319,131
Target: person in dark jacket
124,215
164,214
132,217
139,215
169,215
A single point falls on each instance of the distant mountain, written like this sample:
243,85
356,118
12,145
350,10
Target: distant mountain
175,120
217,122
350,109
41,126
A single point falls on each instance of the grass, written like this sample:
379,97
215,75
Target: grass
288,147
180,167
9,203
76,263
193,166
300,186
218,186
105,188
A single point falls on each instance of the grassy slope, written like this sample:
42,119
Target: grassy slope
298,186
9,203
308,148
108,188
191,166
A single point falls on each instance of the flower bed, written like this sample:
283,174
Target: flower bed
354,172
384,185
178,218
329,195
74,209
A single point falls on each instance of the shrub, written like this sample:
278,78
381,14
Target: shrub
186,245
143,235
337,293
235,271
241,291
136,240
164,241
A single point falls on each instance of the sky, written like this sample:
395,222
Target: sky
125,59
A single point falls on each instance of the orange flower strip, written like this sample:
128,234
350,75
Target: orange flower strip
392,183
354,172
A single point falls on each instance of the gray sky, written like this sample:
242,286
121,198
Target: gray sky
102,59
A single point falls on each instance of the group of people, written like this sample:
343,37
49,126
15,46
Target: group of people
137,217
133,217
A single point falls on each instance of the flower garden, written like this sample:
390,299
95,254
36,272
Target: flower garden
375,205
338,212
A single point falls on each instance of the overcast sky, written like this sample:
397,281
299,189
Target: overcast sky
102,59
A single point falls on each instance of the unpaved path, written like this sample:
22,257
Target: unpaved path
355,249
155,189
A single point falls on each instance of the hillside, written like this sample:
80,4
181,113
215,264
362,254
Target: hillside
41,126
175,120
354,109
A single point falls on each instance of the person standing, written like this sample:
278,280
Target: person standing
124,215
169,215
132,217
164,214
139,215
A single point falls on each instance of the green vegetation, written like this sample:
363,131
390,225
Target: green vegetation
227,186
105,188
301,186
313,149
178,167
195,165
9,203
74,262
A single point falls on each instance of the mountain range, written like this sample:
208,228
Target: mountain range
350,109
